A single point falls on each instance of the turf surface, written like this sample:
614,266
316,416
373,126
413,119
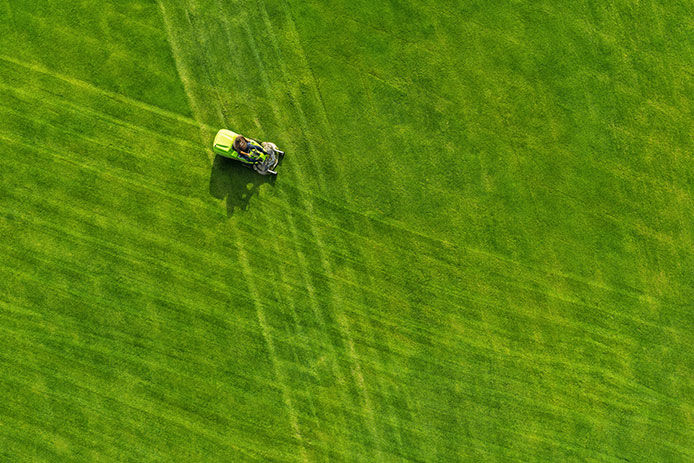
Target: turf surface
479,247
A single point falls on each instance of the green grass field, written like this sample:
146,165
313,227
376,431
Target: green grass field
480,245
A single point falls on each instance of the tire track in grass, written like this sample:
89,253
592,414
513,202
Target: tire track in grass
214,84
362,267
283,292
261,317
342,321
313,302
303,122
265,80
328,126
357,373
255,296
268,90
186,79
359,377
313,298
284,284
368,265
316,88
247,272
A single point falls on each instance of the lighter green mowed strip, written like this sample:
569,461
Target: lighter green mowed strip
479,247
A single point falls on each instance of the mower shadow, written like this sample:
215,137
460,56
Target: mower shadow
237,183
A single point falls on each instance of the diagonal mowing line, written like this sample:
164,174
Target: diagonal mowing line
113,175
341,319
303,122
368,264
282,272
219,103
357,373
184,76
317,93
313,299
261,317
63,103
86,85
255,296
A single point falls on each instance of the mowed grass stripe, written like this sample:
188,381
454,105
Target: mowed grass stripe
31,99
134,364
175,427
185,76
111,95
96,62
52,88
128,176
205,370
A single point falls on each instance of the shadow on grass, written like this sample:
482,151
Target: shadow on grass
237,183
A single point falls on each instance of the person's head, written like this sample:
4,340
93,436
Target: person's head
241,144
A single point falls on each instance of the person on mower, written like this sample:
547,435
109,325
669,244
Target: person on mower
247,149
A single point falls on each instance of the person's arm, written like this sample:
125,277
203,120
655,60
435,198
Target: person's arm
258,147
248,157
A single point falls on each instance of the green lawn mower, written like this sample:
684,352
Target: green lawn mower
263,158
